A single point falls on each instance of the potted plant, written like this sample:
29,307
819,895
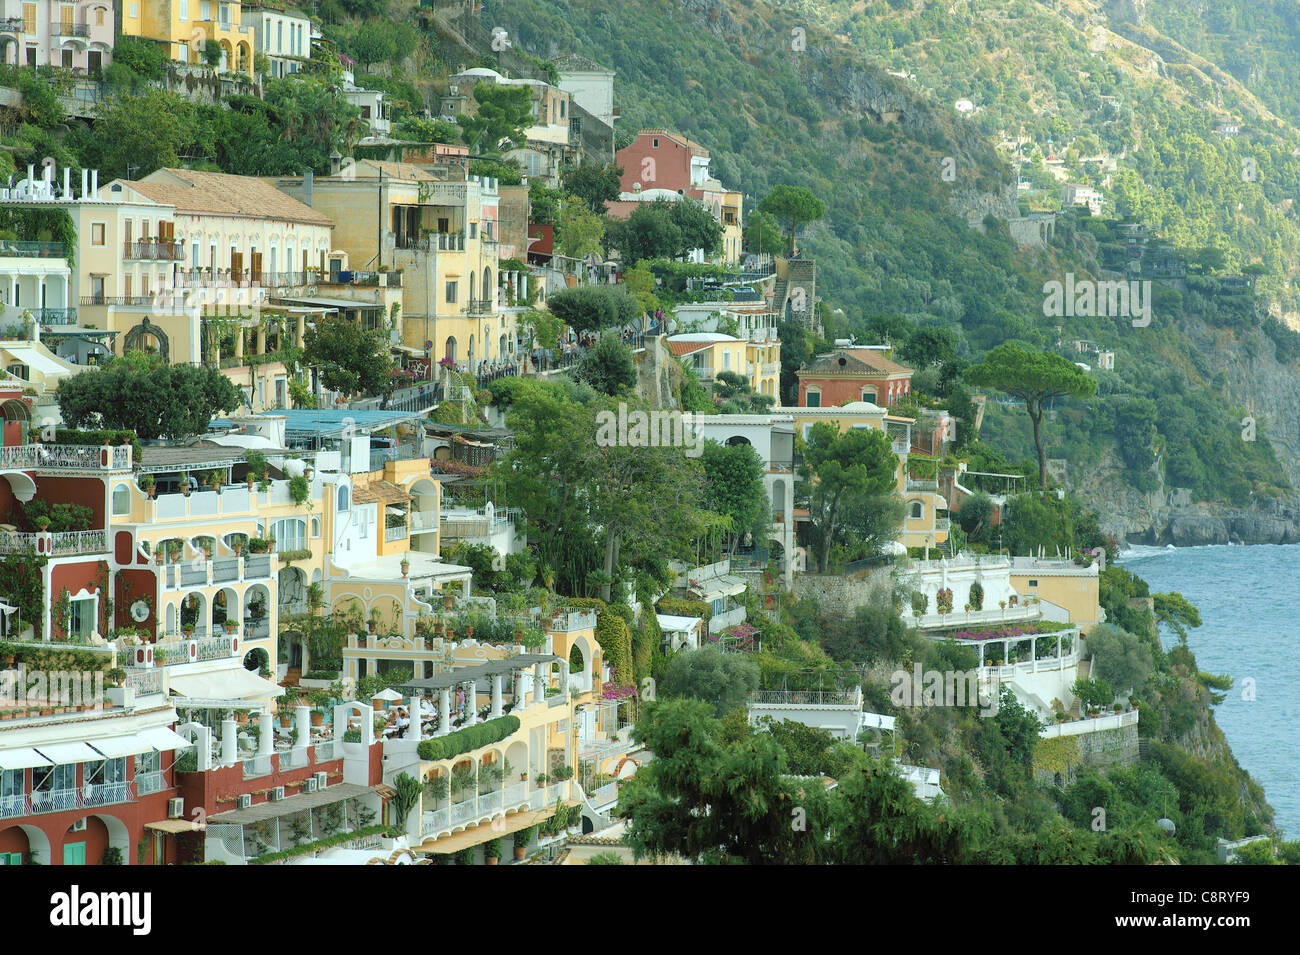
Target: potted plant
492,852
521,839
42,523
117,676
6,655
446,601
185,483
232,625
372,620
148,485
406,566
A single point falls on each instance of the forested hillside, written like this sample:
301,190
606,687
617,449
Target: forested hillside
897,250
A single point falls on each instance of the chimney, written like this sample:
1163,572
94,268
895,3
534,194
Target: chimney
85,184
94,180
67,182
308,182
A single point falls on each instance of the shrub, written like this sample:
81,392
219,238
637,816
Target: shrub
469,738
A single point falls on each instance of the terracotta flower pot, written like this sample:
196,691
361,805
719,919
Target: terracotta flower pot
317,719
520,852
490,860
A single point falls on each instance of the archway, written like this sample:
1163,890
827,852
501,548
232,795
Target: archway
148,338
257,610
293,591
225,606
449,351
194,612
29,839
258,661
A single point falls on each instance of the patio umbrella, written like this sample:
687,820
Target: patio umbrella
388,696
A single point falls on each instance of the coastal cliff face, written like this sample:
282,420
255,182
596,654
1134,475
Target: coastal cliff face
1163,517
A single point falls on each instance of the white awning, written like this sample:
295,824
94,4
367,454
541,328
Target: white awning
116,746
21,759
715,588
69,753
232,684
163,739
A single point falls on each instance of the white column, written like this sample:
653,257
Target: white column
564,677
539,683
266,737
302,722
496,695
413,713
444,712
471,705
229,743
521,698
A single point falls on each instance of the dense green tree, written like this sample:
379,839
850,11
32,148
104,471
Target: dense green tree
608,367
503,114
699,230
140,134
733,476
855,464
587,308
707,801
144,394
579,232
593,184
1120,658
349,359
794,206
648,233
723,680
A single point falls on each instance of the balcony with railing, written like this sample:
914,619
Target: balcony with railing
852,697
569,622
22,248
899,445
57,544
922,484
395,533
59,28
148,783
152,249
479,308
119,301
11,25
65,457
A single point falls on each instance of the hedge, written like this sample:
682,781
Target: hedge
615,641
327,842
684,607
471,737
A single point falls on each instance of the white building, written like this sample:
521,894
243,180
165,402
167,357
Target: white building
589,84
283,34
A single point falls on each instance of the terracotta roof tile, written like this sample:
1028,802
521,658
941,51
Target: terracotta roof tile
219,193
685,348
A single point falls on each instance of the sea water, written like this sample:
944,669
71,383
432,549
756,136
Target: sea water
1249,601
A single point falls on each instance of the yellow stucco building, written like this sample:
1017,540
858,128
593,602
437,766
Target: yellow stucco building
184,27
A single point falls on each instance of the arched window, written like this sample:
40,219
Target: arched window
344,497
916,510
315,525
121,500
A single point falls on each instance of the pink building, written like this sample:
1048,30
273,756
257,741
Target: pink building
76,35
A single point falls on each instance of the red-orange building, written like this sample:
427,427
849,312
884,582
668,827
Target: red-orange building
852,374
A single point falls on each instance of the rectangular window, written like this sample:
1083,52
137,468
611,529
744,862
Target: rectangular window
148,763
67,59
81,618
31,56
135,10
29,18
97,233
11,858
185,11
205,10
279,37
451,293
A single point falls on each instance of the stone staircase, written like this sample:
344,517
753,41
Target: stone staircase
1085,667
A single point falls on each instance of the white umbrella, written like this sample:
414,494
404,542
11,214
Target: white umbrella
893,547
389,696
